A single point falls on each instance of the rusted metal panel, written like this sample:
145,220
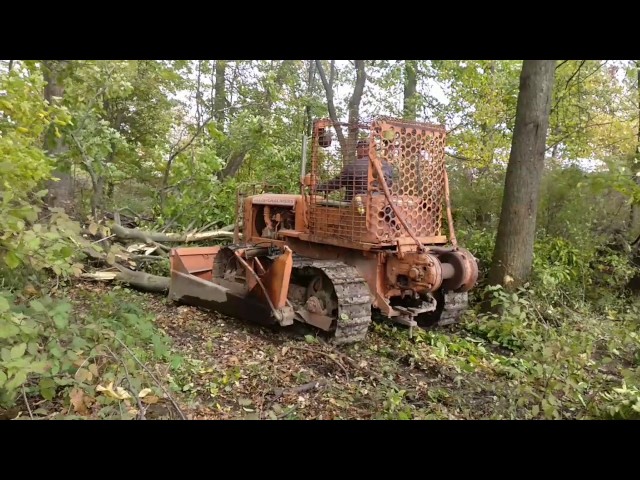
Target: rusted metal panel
283,200
197,261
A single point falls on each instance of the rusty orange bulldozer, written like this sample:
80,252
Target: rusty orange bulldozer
364,236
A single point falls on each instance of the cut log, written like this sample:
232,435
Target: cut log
153,237
138,280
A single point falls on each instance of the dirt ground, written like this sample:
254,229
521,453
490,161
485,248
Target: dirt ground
233,369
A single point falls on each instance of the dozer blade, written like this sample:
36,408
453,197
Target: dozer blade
192,283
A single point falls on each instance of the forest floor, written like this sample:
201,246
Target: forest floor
232,369
218,367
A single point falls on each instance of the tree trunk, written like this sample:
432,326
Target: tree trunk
310,86
410,88
635,168
347,145
354,110
60,193
220,98
328,89
233,164
97,197
110,190
513,253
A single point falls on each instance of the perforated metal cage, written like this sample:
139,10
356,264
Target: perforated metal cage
348,202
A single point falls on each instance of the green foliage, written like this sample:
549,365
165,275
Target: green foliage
123,118
28,246
591,116
75,360
394,406
623,402
485,92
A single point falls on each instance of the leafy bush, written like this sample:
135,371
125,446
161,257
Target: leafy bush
85,361
24,119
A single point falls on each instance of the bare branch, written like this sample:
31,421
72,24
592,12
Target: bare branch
464,159
330,105
190,141
566,91
165,176
119,359
166,392
575,73
579,129
26,402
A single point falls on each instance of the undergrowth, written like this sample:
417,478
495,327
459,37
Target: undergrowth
62,361
566,346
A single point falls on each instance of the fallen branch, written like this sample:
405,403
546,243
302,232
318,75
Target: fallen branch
286,412
154,237
26,402
141,408
328,355
166,392
140,280
353,363
148,258
278,392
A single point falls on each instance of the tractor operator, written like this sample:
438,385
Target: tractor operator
354,177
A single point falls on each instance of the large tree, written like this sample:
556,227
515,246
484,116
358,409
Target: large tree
513,253
60,193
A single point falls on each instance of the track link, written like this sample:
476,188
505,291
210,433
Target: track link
354,298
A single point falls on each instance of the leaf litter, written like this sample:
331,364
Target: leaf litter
232,369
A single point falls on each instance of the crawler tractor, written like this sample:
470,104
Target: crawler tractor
355,241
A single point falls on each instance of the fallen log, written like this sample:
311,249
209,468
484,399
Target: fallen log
148,258
156,237
138,280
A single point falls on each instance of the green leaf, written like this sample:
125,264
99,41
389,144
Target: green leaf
33,348
176,362
78,343
18,379
547,408
37,306
18,363
61,318
3,378
535,410
4,304
18,351
8,330
11,260
47,388
5,354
